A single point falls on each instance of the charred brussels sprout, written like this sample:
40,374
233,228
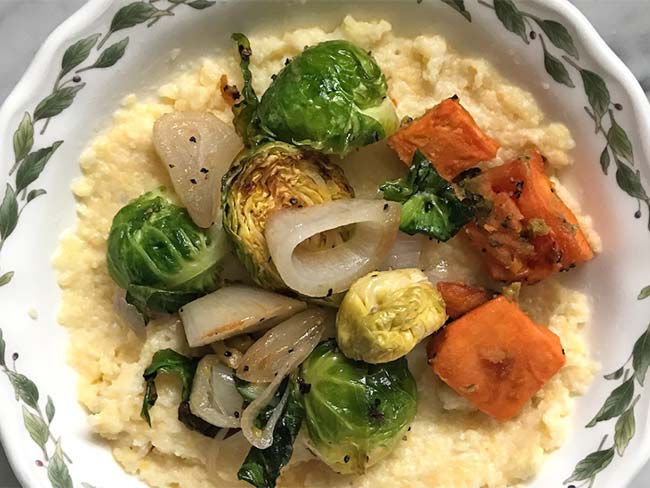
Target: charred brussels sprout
332,98
268,178
355,412
160,257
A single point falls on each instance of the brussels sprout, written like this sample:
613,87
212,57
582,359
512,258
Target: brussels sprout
268,178
355,412
385,314
160,257
331,97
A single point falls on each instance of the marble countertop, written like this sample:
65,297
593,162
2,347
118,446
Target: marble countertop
623,24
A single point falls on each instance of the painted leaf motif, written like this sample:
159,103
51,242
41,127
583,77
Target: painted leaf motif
624,430
6,278
619,399
645,293
2,349
8,212
616,374
511,18
77,53
56,102
86,485
641,356
557,70
49,409
36,428
597,94
33,166
24,388
133,14
23,137
559,36
459,6
620,142
591,465
111,54
629,181
201,4
34,194
58,473
605,160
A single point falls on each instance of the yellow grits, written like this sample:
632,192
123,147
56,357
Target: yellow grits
450,444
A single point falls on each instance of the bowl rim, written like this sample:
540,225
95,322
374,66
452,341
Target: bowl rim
596,47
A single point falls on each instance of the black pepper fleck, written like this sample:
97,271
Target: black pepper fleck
346,459
385,206
193,181
329,292
227,354
236,414
205,170
454,97
192,139
246,368
171,166
291,350
293,200
303,386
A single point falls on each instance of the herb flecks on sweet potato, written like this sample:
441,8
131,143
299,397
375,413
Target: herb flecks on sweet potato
448,136
496,357
460,298
529,232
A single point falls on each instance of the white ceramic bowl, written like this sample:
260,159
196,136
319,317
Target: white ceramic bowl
39,379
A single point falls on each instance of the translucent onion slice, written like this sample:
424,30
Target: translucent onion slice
234,310
214,397
405,253
129,314
323,272
283,347
197,149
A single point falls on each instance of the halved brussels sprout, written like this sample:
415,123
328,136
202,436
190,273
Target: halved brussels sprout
268,178
386,313
160,257
355,412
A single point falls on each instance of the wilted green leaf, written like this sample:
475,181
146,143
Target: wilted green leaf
620,142
201,4
616,374
559,36
37,429
459,6
511,18
33,166
23,137
591,465
641,356
34,194
645,293
624,431
111,54
8,212
605,160
56,102
556,69
49,409
618,400
630,181
6,278
597,94
57,471
24,388
77,53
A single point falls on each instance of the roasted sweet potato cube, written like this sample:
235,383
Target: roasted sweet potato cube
529,233
460,298
496,357
448,136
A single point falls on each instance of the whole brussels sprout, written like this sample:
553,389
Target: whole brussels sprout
268,178
332,98
355,412
160,257
385,314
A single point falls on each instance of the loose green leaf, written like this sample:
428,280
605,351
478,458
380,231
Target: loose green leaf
2,350
23,138
6,278
645,293
56,102
605,160
36,428
459,6
33,166
77,53
597,94
34,194
511,18
24,389
618,400
616,374
8,212
245,111
132,14
167,361
558,35
641,356
111,54
630,181
620,142
624,430
49,409
591,465
557,70
201,4
57,471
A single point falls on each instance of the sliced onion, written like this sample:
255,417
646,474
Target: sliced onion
319,273
283,347
234,310
129,314
197,149
214,397
405,253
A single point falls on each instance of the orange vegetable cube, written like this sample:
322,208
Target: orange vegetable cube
460,298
